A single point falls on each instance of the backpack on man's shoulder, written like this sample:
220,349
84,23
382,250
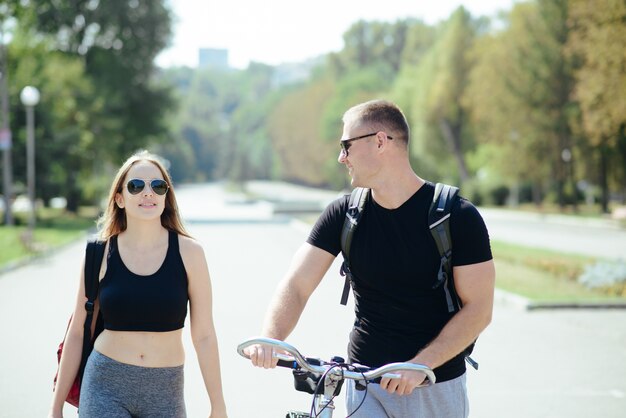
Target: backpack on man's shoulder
439,225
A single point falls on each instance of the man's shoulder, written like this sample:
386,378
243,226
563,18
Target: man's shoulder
340,203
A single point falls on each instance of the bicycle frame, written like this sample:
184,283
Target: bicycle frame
334,374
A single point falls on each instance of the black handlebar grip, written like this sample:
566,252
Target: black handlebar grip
361,385
290,364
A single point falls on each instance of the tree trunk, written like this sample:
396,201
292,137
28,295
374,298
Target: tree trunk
72,195
537,198
621,145
604,184
454,144
572,182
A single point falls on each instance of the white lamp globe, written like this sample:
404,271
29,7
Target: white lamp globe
29,96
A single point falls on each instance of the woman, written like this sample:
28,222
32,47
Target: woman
152,267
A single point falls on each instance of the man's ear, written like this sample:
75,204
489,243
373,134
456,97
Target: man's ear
380,140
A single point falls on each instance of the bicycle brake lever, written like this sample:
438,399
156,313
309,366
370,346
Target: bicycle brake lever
285,357
285,360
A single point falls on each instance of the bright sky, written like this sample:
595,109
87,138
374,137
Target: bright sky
279,31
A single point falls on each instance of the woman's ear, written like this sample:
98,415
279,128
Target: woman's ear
119,200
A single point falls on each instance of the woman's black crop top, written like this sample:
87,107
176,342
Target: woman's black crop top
158,302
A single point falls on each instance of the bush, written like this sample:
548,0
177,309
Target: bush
499,194
471,190
609,277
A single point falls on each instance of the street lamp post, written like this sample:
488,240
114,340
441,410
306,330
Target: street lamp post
30,99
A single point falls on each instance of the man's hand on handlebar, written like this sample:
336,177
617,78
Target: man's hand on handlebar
405,384
268,353
262,355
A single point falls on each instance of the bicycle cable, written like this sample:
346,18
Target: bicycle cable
364,395
320,383
343,366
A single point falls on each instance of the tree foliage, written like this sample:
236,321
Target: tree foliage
435,88
366,44
93,63
118,41
65,144
599,40
298,139
221,124
520,96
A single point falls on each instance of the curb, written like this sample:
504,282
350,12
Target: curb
506,298
576,305
511,299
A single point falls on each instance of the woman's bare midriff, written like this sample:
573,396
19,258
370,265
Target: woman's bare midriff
145,349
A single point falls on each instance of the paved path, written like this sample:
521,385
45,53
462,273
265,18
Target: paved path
568,364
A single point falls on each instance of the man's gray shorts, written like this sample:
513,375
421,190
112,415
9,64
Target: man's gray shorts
441,400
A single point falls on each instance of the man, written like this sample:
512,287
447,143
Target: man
400,317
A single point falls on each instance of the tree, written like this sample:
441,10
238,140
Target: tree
302,153
117,41
520,96
367,44
66,147
499,102
222,122
599,40
437,113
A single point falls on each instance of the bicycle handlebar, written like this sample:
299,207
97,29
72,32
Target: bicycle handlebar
296,359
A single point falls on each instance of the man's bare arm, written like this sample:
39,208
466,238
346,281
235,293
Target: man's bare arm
474,285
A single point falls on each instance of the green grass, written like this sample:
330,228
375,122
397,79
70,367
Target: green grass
53,229
543,275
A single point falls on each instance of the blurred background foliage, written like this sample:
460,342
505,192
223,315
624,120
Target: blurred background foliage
528,107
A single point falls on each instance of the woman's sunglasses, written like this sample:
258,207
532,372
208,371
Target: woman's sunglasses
158,186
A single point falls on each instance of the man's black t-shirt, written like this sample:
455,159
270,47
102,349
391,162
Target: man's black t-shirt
395,261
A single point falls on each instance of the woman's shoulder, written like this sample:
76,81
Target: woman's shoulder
189,245
192,253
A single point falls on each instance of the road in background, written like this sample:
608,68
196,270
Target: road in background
593,237
586,236
566,363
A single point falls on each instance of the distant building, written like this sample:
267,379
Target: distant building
213,58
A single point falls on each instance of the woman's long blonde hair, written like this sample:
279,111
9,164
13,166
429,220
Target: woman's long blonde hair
113,220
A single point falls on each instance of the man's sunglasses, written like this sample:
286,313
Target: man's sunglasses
158,186
347,143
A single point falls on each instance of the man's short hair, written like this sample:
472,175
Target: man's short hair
382,115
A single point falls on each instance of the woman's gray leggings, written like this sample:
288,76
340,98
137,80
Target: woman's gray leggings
120,390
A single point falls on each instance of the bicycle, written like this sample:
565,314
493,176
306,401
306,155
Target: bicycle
323,379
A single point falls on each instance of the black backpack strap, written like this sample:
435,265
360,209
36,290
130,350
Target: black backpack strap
93,261
439,224
358,198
